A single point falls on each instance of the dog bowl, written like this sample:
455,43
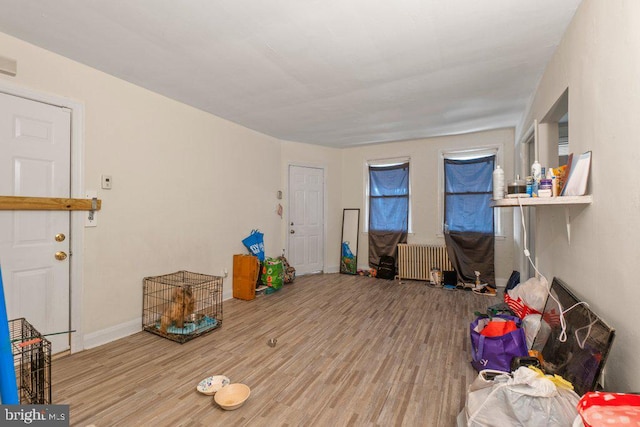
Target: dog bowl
232,396
212,384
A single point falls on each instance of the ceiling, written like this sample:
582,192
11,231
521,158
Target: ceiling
331,72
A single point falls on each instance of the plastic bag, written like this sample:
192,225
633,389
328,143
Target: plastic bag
255,243
528,297
524,399
531,326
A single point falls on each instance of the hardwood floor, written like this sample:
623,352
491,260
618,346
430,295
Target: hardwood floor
351,351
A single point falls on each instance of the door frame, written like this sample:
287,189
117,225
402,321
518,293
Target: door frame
76,227
324,209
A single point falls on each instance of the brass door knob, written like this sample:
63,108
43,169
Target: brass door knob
60,237
61,256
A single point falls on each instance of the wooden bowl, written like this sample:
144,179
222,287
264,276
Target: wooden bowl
232,396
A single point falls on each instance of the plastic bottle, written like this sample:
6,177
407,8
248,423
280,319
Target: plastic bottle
536,171
554,183
498,183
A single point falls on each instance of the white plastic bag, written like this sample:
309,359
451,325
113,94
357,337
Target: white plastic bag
525,399
531,326
533,293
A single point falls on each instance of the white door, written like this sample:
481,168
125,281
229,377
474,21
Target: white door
306,219
35,144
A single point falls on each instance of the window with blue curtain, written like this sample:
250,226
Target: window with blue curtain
468,191
389,198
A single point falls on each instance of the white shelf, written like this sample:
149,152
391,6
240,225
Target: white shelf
565,201
542,201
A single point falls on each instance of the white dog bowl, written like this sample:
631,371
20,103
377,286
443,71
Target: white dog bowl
212,384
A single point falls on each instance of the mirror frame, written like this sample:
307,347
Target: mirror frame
350,217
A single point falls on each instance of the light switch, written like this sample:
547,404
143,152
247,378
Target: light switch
106,182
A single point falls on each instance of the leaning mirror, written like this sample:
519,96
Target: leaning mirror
349,247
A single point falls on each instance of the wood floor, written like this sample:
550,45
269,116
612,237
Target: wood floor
351,351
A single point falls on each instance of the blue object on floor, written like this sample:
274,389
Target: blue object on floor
191,328
8,386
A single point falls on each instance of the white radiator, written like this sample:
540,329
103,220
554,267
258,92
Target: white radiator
416,261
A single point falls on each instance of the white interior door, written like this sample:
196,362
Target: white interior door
35,144
306,219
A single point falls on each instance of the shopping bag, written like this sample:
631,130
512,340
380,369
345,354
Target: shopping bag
272,273
255,243
289,271
496,352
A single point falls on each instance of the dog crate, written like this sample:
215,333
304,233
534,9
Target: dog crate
182,305
32,362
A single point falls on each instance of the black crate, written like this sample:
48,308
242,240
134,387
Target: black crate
32,362
181,306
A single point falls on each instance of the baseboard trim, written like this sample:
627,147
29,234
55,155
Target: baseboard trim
113,333
332,269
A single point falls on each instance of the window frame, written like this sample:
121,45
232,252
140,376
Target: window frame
392,161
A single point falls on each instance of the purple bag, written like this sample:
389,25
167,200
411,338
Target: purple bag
496,352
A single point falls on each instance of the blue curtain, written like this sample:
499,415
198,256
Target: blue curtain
388,210
389,198
468,190
469,227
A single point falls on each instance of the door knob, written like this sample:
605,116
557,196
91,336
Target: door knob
60,237
292,231
61,256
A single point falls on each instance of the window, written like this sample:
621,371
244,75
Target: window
389,197
468,191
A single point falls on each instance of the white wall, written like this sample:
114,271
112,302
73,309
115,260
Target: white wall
599,61
426,157
187,186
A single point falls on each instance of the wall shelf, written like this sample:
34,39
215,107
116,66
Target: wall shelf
565,201
542,201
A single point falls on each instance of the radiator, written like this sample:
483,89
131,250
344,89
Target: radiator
416,261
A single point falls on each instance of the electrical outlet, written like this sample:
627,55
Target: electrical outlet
106,182
91,220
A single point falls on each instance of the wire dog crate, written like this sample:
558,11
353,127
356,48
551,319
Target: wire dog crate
182,305
32,362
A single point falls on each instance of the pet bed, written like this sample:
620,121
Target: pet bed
192,327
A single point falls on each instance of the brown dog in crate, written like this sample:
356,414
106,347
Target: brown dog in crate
181,306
